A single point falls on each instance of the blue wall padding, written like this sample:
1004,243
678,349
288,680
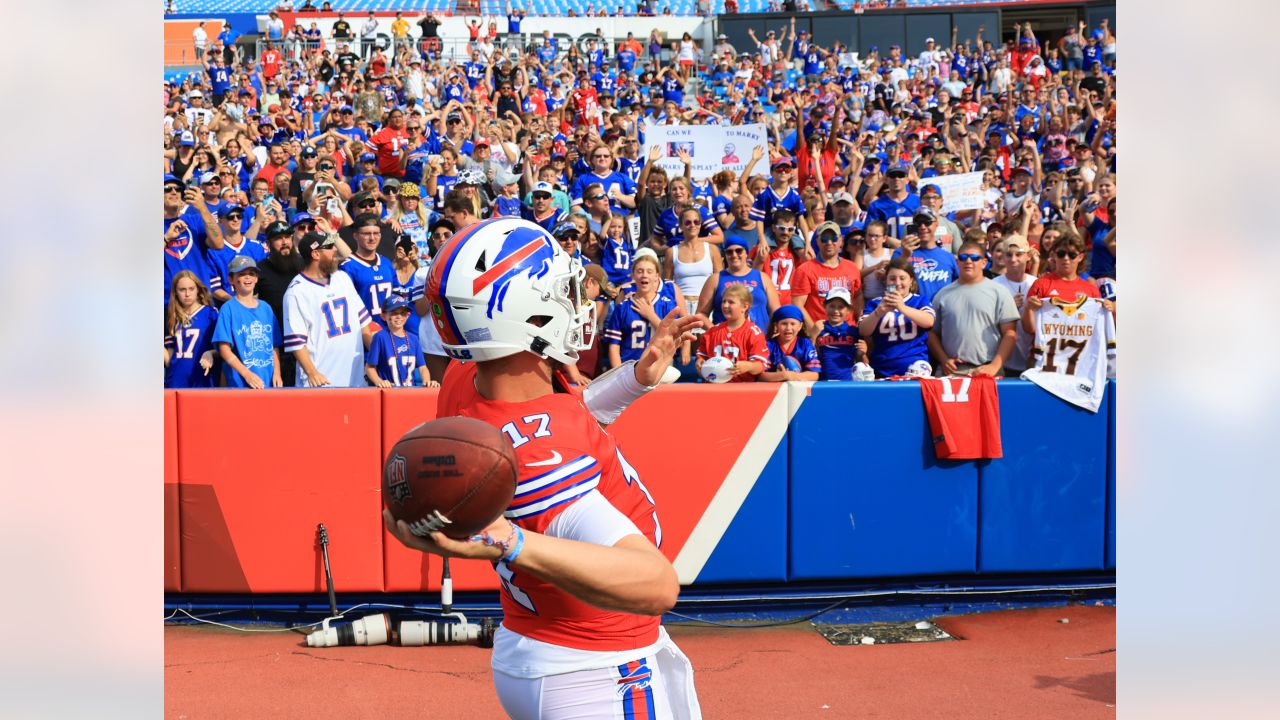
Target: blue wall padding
754,546
868,497
1044,503
1111,475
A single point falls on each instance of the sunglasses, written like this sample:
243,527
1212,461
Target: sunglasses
597,197
173,188
308,226
1067,255
442,235
691,223
970,257
541,196
828,238
233,216
735,251
784,228
367,204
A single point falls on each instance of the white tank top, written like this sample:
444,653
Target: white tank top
691,276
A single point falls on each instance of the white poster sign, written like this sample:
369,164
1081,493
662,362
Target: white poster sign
712,147
959,192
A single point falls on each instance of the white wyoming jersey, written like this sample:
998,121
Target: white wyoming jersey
327,320
1074,350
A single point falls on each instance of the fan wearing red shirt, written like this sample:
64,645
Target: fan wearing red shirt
815,278
805,167
1063,280
270,62
586,104
388,142
737,338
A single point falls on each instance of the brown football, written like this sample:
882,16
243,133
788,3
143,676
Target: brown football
455,475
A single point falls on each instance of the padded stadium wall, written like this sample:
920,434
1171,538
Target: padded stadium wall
769,485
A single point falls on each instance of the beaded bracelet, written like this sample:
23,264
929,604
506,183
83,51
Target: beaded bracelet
510,547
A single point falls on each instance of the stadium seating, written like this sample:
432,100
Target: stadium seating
535,7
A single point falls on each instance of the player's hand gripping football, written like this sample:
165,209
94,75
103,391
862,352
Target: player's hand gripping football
670,334
437,543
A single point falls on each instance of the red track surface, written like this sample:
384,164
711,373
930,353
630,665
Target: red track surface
1012,664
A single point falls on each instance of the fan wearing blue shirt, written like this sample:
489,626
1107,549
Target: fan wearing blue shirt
620,188
897,323
373,275
248,334
779,195
630,325
895,207
190,233
935,267
394,353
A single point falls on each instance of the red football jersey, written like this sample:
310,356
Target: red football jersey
746,343
563,454
964,416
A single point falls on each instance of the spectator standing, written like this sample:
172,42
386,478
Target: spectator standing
736,338
247,333
1017,280
1063,281
188,341
630,324
947,233
975,321
896,207
779,257
541,210
652,199
780,194
935,266
875,259
837,341
373,275
742,226
341,31
690,262
792,356
200,38
326,326
897,323
368,35
191,235
394,353
738,272
816,278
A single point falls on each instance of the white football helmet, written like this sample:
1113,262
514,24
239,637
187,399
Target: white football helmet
862,372
504,286
919,368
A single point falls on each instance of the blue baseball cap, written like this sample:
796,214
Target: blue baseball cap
734,241
564,227
229,208
301,218
368,157
396,302
787,312
901,167
171,178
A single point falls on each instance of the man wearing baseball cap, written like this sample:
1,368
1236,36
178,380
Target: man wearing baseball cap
816,277
935,266
948,233
896,206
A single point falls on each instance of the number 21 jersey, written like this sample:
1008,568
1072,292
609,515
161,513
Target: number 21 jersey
1074,350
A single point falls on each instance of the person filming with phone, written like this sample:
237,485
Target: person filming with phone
935,267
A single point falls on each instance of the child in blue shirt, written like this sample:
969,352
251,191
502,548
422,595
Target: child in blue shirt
393,353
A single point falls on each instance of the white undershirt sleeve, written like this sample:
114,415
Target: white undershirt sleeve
591,518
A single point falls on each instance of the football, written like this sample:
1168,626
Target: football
790,363
716,369
454,475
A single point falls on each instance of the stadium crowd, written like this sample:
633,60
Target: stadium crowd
306,190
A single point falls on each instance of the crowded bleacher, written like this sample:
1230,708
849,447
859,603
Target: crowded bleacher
863,214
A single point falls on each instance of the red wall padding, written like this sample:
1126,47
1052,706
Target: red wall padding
681,457
172,532
259,470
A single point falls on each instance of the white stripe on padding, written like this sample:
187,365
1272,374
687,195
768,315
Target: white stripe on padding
724,506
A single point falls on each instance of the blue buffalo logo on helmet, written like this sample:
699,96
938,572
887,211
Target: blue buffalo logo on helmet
525,250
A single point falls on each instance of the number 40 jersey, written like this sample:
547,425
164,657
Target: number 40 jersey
1074,350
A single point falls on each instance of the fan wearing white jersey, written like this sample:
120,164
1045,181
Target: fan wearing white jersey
1074,350
326,325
